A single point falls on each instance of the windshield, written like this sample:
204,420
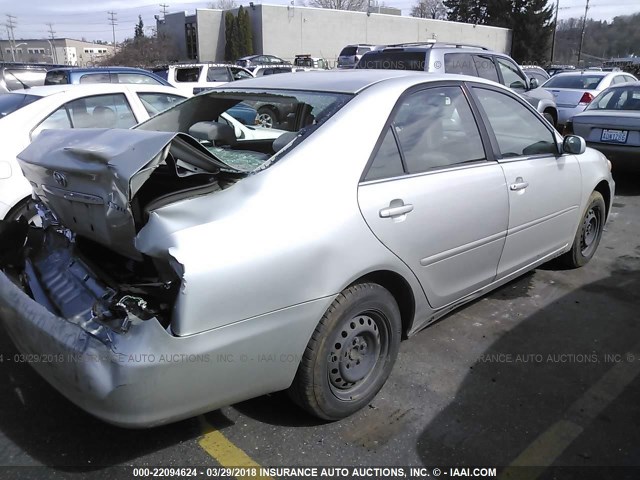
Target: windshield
10,102
619,98
393,60
577,81
348,51
245,128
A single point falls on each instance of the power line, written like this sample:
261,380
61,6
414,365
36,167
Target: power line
164,7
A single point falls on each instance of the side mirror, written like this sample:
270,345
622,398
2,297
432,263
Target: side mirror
574,145
533,83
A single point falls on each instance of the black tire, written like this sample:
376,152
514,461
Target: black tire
267,117
27,209
589,233
351,353
550,118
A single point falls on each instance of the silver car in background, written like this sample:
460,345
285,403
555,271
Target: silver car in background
179,268
573,91
611,122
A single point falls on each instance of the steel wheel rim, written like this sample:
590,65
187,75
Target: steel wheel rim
590,231
357,355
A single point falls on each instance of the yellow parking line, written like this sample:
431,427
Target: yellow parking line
545,449
225,452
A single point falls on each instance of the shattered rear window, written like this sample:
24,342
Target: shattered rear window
246,128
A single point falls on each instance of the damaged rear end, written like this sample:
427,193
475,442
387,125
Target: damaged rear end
78,294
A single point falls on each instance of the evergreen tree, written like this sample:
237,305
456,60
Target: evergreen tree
230,32
530,21
241,32
247,34
467,11
139,30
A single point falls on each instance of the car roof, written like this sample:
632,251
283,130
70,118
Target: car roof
591,73
100,69
342,81
97,88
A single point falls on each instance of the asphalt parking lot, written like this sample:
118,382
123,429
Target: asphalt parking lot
544,371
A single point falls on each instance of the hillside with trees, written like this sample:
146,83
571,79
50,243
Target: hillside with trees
602,40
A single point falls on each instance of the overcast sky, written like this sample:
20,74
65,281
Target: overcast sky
82,18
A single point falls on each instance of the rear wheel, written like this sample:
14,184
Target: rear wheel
267,117
350,354
589,233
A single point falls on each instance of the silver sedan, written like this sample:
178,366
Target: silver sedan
611,123
180,268
573,91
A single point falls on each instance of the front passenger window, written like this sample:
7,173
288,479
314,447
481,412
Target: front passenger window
511,75
518,130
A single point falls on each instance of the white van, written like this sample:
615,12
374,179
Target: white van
194,78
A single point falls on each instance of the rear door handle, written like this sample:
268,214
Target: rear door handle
519,185
396,211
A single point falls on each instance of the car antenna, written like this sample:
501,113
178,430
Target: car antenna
24,85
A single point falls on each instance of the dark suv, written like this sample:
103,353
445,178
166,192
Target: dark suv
465,60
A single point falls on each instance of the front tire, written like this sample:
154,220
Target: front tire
589,233
350,354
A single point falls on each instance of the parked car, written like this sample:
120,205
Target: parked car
254,60
553,69
174,280
533,71
24,114
16,76
573,91
193,78
262,70
472,60
351,54
75,75
611,122
309,63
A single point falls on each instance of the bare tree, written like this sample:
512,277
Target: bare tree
357,5
224,4
429,9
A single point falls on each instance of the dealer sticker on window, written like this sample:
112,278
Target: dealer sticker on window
616,136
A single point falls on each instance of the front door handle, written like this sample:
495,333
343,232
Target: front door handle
519,185
395,209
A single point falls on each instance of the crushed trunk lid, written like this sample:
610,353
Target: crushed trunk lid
88,177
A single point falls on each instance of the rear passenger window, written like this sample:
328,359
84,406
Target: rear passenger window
191,74
436,128
461,63
218,74
95,78
486,68
135,78
387,163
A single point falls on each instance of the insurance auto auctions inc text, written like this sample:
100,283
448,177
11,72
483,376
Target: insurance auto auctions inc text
374,472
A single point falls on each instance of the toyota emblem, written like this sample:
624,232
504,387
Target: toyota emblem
60,179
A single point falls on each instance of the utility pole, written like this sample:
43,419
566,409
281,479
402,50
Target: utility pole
113,20
11,24
555,28
54,54
164,7
584,24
